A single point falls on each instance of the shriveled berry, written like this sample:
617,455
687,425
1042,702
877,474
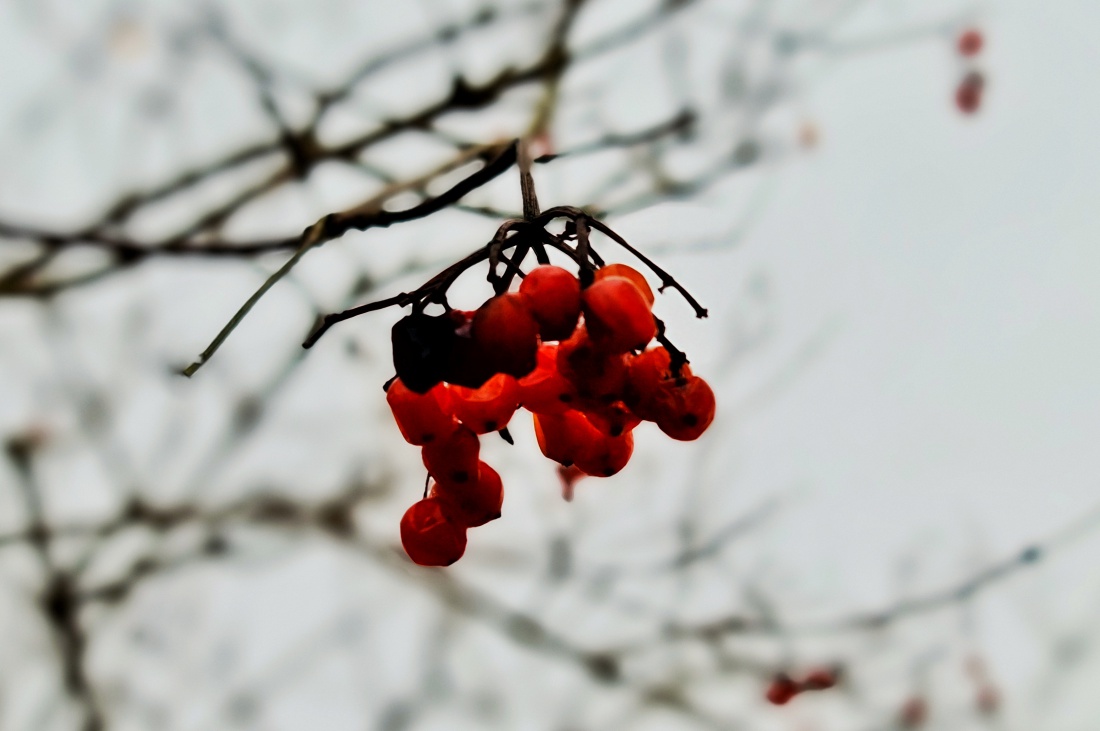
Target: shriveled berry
554,296
506,333
422,346
453,458
617,315
422,418
544,390
430,536
627,272
489,408
686,409
594,372
475,502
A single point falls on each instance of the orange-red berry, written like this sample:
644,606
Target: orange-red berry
453,458
594,372
685,409
430,536
612,419
617,315
554,296
628,272
473,503
544,390
488,408
507,335
422,418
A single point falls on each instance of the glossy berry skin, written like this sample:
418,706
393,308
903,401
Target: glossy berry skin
473,503
553,295
430,536
453,459
489,408
422,418
627,272
595,373
617,316
781,690
685,409
506,334
970,43
544,390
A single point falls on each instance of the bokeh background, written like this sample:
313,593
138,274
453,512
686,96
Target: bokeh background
904,335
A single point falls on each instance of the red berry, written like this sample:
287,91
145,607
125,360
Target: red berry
819,679
606,455
968,95
617,315
612,419
595,373
554,296
453,459
913,713
422,418
970,43
489,408
506,333
781,690
685,409
544,390
430,537
627,272
649,374
571,439
473,503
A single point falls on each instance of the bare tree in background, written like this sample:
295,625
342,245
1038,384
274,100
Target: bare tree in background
219,552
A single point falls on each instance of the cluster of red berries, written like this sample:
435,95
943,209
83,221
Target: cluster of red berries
783,687
575,357
968,94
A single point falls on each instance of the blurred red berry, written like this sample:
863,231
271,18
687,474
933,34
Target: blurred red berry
970,42
913,713
781,690
430,537
968,95
819,679
554,296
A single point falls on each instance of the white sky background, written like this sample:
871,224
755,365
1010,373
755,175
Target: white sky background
927,398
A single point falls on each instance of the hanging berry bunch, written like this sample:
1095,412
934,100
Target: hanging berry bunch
577,347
